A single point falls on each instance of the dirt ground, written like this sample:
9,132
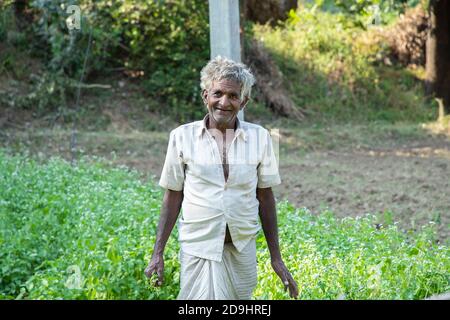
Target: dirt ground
350,169
414,187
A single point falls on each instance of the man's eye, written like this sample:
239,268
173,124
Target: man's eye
217,94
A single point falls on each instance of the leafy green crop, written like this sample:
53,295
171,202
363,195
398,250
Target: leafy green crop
59,222
87,231
352,258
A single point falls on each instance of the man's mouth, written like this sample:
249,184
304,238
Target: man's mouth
223,109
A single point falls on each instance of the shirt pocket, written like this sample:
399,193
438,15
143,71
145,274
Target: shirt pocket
203,172
246,174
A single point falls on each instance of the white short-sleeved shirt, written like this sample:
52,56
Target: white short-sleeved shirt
193,164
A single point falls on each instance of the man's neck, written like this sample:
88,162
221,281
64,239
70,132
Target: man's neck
213,125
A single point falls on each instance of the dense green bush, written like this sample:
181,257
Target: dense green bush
164,42
339,72
86,232
331,65
362,13
5,20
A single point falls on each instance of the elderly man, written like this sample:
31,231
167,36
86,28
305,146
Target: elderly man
221,172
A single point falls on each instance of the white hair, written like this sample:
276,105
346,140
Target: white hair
221,68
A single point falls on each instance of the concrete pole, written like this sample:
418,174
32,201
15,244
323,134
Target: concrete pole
224,31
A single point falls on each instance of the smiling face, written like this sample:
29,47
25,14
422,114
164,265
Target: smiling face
223,101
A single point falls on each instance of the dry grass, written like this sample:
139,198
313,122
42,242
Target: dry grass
269,82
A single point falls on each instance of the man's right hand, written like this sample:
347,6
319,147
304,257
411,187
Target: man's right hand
170,210
156,265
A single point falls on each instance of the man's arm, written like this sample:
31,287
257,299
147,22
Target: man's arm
169,213
267,214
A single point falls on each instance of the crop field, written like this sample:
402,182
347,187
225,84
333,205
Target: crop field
87,232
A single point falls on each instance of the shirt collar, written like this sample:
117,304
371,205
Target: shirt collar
240,128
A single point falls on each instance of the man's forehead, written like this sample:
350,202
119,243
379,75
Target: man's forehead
226,85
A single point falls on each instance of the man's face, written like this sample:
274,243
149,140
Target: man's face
223,101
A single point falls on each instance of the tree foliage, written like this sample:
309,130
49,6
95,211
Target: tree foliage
165,43
365,12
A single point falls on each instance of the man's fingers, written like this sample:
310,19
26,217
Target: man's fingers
153,270
160,272
287,279
293,289
289,283
149,271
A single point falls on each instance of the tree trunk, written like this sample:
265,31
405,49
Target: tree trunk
22,15
438,52
242,15
271,11
20,6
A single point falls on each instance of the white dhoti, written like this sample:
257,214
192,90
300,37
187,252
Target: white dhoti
234,278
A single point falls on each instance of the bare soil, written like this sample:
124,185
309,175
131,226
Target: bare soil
399,172
413,185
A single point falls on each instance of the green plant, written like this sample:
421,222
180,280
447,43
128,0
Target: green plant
87,231
335,72
5,20
162,43
362,13
47,91
58,220
354,259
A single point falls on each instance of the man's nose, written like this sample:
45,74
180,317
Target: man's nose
225,101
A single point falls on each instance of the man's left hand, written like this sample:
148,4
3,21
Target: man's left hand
280,269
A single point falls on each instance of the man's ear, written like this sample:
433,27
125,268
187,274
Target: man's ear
205,96
244,102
